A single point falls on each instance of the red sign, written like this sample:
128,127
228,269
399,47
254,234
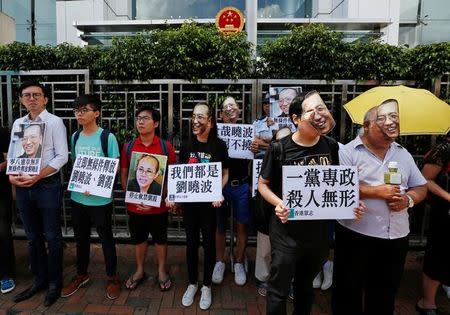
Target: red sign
230,20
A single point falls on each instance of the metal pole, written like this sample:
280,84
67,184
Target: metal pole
33,23
251,23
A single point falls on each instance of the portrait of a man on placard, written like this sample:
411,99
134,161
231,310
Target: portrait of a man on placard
146,174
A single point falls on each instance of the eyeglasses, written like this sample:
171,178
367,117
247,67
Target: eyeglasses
147,172
143,118
30,95
381,119
82,111
32,138
199,117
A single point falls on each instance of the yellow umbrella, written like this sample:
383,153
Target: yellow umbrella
420,111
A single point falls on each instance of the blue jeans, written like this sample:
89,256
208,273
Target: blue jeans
39,208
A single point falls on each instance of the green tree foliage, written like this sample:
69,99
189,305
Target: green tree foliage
194,51
308,52
430,61
376,61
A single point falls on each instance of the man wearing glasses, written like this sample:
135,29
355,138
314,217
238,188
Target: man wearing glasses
143,219
370,254
38,196
87,208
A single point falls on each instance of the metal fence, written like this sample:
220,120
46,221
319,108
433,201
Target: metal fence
175,100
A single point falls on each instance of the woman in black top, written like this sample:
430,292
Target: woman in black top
204,147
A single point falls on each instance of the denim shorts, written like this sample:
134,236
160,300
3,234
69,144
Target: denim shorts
239,198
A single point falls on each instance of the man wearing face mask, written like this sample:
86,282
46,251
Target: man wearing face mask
370,253
298,247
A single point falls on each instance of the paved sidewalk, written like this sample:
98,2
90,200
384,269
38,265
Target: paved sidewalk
228,298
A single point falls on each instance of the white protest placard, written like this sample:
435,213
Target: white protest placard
25,154
238,138
320,192
199,182
146,179
257,163
94,174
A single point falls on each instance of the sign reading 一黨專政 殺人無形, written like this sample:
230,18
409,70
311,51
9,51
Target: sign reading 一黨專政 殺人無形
320,192
199,182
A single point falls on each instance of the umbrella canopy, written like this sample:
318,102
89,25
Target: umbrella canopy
420,111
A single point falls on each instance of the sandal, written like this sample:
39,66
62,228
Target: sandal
132,284
165,285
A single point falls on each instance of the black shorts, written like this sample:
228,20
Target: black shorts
142,225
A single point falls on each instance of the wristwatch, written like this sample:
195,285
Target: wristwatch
410,201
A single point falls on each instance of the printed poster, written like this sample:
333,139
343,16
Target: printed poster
25,154
94,174
198,182
238,138
146,179
320,192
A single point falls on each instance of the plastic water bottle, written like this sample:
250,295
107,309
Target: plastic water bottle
393,176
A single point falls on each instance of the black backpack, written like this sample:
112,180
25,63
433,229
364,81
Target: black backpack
263,210
162,143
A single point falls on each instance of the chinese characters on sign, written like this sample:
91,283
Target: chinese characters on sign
25,153
93,174
320,192
200,182
146,179
257,163
238,138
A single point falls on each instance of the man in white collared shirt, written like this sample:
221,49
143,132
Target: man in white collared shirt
38,196
370,253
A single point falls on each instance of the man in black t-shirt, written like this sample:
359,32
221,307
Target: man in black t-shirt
298,247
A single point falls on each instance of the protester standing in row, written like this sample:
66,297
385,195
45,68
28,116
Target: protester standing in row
237,194
143,219
7,263
39,196
370,254
204,147
436,264
87,208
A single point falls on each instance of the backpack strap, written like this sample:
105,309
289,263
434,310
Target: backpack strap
163,144
104,140
76,135
334,146
129,148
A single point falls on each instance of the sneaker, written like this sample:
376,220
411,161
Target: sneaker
219,269
262,288
188,297
327,275
317,282
447,290
7,285
77,282
206,297
240,277
113,287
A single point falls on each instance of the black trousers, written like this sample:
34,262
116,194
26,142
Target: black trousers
301,264
202,219
367,273
101,216
7,258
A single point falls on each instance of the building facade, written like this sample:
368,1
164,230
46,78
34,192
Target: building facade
87,22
